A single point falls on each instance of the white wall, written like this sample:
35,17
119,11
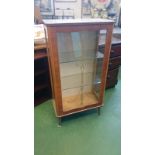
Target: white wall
72,5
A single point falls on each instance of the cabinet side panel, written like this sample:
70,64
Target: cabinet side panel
53,58
109,29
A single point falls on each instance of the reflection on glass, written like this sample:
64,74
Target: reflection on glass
102,38
80,68
99,61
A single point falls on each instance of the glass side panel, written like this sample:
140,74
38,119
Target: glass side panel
80,68
97,76
99,61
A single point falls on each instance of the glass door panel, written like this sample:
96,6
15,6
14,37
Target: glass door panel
80,68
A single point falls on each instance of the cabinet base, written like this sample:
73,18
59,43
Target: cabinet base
60,118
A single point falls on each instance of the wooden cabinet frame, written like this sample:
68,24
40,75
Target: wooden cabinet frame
53,58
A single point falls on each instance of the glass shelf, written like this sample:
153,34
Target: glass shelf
70,75
74,87
77,67
72,81
69,57
77,60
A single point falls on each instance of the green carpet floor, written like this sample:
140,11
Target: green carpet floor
81,134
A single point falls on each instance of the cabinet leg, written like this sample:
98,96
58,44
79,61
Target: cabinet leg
59,121
98,110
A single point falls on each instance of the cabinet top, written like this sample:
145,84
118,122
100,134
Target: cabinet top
76,21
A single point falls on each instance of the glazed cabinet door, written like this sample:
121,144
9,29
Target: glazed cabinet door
80,68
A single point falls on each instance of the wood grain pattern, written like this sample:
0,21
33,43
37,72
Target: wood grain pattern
74,102
40,46
105,61
53,58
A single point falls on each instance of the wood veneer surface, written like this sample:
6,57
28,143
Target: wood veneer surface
74,102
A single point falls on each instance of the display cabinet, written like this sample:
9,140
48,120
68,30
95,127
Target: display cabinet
78,70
